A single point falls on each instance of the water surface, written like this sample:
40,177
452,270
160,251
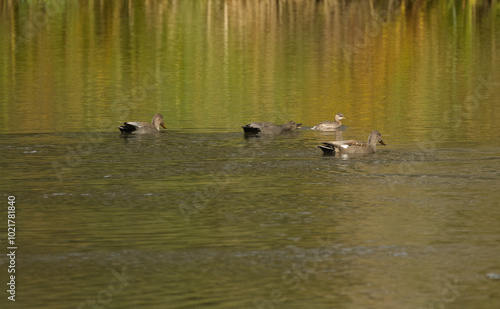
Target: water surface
202,216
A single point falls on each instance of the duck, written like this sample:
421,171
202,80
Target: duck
269,127
143,127
330,125
352,146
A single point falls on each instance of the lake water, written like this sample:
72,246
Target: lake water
200,216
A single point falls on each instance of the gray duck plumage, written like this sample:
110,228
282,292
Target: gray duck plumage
269,127
134,127
330,125
352,146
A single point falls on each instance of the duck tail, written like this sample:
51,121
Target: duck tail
127,128
251,130
328,150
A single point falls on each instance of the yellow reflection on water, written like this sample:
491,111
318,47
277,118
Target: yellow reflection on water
215,65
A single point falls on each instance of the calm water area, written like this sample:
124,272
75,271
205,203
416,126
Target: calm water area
200,216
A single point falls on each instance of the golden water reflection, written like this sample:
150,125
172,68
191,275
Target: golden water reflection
88,66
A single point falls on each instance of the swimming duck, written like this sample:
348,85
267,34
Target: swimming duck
143,127
269,127
330,125
352,146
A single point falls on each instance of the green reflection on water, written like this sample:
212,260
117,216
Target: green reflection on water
213,65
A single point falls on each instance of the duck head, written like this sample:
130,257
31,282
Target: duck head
158,121
375,137
291,125
339,116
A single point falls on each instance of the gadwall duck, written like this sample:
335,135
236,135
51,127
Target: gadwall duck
143,127
353,147
330,125
269,127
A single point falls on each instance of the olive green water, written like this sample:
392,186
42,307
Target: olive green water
200,216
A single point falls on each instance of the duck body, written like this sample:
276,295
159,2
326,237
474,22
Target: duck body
269,127
143,127
352,146
330,125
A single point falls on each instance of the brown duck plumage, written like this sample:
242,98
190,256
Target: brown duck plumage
353,147
143,127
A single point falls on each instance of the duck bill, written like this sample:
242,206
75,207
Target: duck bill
382,142
163,125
